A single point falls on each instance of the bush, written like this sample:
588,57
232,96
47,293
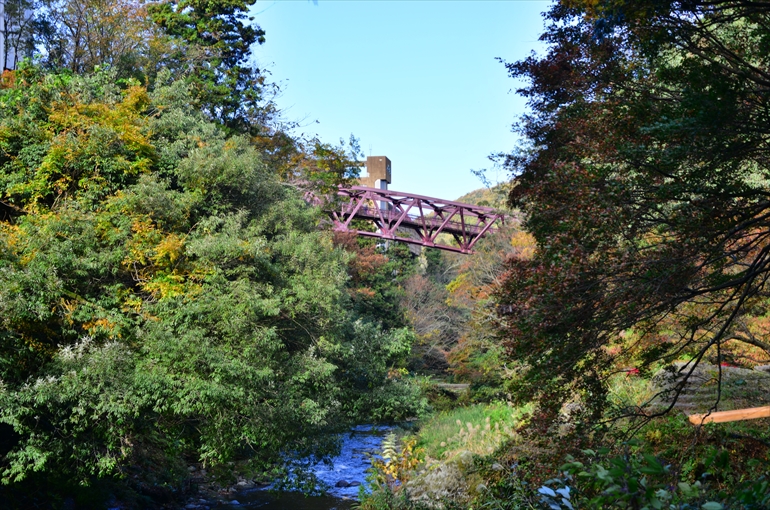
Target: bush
163,298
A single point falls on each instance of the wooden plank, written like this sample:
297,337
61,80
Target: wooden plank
751,413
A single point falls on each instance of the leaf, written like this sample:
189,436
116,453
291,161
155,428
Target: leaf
603,474
547,491
653,465
688,491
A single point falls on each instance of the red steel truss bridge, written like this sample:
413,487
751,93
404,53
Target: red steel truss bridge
414,219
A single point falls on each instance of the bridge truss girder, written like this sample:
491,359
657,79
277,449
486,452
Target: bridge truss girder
394,213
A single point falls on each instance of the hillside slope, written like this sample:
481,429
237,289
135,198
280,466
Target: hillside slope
487,197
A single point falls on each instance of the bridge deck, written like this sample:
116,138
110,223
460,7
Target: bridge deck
393,212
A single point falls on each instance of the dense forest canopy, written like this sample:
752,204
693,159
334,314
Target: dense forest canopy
166,294
168,297
645,185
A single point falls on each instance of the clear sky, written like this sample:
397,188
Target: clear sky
416,81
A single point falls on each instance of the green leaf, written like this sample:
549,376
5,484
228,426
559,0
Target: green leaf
653,466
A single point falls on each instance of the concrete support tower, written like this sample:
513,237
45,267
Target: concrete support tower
377,172
377,175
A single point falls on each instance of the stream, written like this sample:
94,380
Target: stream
344,475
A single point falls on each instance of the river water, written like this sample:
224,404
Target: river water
348,468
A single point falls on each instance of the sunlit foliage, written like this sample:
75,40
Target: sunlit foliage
162,294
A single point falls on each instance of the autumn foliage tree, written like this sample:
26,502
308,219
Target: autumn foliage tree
82,34
166,293
477,357
157,267
208,43
644,181
164,297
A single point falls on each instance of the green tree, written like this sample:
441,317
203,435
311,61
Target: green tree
163,296
215,39
208,44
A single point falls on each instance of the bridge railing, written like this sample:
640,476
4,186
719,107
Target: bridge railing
427,217
412,218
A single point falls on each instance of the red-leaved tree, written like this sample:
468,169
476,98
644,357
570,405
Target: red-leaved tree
645,182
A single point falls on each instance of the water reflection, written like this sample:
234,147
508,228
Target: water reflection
343,475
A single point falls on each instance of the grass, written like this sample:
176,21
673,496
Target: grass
629,391
479,429
723,458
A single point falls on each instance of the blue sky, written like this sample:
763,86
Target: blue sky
416,81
